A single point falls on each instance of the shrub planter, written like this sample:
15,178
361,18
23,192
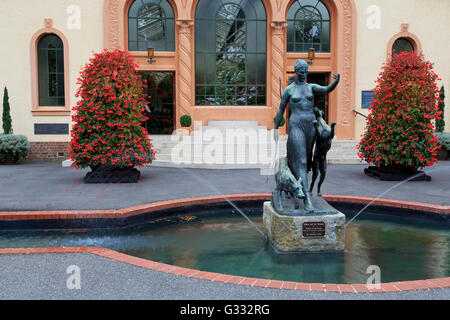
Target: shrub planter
396,174
442,154
8,159
13,148
112,174
107,134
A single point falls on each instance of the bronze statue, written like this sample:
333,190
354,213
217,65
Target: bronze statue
324,135
302,131
287,183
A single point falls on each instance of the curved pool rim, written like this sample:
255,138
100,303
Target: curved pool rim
425,208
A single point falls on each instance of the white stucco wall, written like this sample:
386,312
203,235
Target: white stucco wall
19,20
429,20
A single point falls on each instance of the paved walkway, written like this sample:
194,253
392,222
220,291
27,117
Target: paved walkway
44,276
48,186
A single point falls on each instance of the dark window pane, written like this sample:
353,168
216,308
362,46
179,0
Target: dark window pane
60,85
51,60
60,62
50,71
308,26
402,45
151,24
226,59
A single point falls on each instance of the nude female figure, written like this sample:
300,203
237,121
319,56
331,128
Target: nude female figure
302,133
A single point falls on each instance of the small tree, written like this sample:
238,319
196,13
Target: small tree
440,124
6,116
400,131
107,122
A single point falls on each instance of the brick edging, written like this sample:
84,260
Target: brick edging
238,280
168,204
217,277
430,207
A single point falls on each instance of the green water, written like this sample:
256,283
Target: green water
226,243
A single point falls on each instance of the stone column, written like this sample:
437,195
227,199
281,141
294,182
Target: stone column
184,70
278,55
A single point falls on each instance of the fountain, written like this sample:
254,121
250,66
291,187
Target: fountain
314,225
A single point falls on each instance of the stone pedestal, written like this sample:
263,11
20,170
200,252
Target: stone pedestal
304,233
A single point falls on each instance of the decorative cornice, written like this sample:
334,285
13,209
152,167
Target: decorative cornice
185,23
48,23
278,24
405,27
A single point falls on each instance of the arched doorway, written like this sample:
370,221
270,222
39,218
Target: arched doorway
328,26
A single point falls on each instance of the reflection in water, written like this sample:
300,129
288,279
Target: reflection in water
403,249
389,189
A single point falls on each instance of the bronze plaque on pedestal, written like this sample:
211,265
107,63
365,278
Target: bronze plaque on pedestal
316,229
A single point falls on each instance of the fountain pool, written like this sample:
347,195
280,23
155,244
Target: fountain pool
220,240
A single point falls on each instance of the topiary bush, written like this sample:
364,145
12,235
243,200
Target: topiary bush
440,124
13,148
399,131
185,120
6,116
444,139
107,126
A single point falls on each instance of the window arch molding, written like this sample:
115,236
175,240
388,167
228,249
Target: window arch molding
405,34
313,15
341,59
36,108
166,15
115,22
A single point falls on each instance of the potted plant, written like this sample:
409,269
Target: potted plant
400,135
107,134
185,122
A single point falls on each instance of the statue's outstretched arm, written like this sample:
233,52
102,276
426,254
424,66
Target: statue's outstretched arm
321,89
283,104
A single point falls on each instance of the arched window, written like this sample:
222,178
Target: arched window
401,45
151,24
308,26
51,71
230,63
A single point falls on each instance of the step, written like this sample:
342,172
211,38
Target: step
344,161
341,152
342,156
224,158
166,163
236,151
234,132
169,164
232,123
205,143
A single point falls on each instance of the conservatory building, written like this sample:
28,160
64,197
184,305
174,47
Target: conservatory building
213,60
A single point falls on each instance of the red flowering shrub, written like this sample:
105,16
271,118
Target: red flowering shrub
399,131
107,122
